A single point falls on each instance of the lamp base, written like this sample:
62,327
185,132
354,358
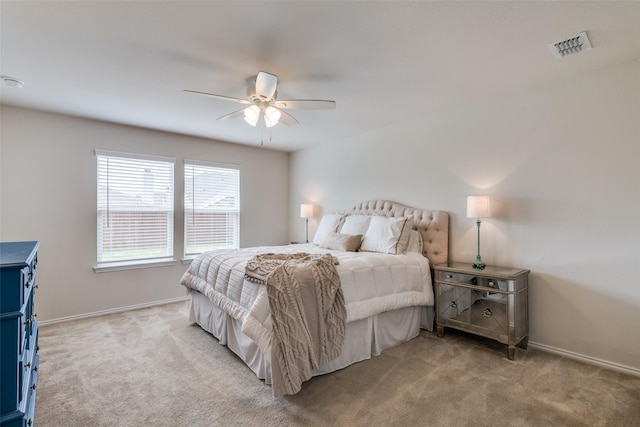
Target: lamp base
478,264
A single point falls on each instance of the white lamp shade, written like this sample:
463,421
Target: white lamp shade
252,114
478,207
306,211
271,116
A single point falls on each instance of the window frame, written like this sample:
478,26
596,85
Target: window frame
125,264
214,165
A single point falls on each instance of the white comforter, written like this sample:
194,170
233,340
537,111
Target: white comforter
371,283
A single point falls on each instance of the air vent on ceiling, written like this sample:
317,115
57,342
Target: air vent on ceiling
570,46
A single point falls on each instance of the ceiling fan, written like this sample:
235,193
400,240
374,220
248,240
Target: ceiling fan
263,103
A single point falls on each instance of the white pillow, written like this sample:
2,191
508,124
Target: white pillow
355,224
383,235
328,224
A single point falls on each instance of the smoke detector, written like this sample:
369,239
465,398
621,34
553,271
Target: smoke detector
11,82
570,46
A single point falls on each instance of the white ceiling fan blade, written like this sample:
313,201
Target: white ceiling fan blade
222,97
305,104
287,119
266,85
232,115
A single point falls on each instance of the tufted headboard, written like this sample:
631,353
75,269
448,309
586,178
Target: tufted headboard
432,225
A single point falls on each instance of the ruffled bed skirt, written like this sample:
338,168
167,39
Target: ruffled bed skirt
364,338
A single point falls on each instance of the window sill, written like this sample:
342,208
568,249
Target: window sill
133,265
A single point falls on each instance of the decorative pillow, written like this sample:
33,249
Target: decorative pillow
342,242
415,242
383,235
406,232
328,223
356,224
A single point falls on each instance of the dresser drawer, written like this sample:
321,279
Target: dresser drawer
28,363
21,342
30,317
27,279
27,319
30,403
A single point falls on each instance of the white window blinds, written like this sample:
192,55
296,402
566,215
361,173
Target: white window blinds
135,207
212,207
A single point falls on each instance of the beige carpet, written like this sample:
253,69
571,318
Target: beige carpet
151,367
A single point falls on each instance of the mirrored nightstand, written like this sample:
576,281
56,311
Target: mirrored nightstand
491,302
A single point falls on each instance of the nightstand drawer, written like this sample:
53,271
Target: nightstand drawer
491,314
475,280
480,281
453,301
447,276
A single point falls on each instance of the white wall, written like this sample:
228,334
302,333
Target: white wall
48,193
561,164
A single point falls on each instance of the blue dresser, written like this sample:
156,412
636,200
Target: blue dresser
18,333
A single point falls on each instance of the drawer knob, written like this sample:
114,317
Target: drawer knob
488,313
449,276
33,386
28,365
453,305
30,422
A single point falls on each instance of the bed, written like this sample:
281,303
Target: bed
383,253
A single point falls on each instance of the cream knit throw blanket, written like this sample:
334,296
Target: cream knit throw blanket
308,314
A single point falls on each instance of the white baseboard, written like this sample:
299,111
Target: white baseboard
112,311
586,359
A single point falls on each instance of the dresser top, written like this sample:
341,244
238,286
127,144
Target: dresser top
17,254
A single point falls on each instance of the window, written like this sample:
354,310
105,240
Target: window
211,207
135,208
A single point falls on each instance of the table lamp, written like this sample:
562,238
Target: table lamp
478,207
306,212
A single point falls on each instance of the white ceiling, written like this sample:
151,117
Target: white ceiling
382,62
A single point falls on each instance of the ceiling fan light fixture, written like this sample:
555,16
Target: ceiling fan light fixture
252,114
271,116
263,106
